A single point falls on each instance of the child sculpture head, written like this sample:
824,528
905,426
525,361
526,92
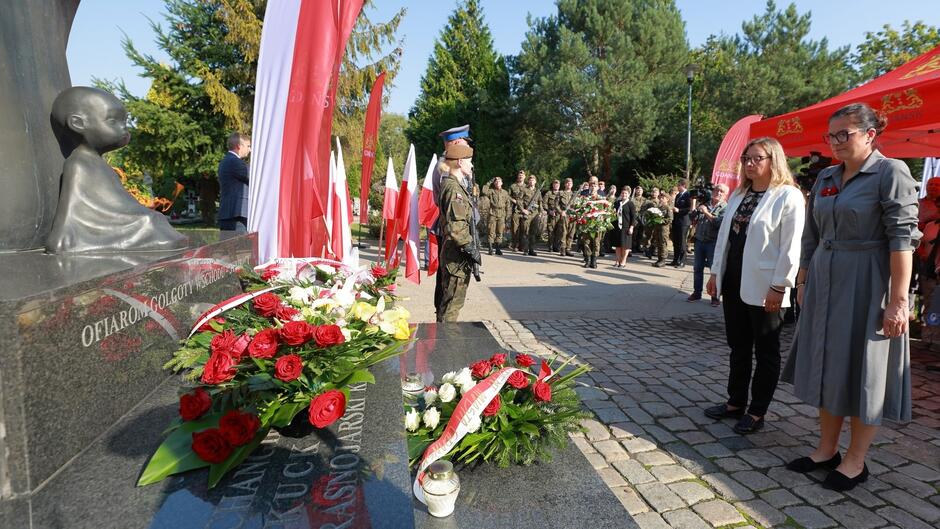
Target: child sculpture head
82,115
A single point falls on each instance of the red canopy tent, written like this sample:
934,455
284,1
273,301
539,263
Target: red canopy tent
909,96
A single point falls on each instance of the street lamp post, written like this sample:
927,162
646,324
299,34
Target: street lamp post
690,71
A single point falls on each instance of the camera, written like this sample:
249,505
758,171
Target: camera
702,193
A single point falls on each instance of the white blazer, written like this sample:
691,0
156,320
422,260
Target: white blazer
772,249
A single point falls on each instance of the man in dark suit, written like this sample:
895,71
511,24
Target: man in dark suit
680,223
233,184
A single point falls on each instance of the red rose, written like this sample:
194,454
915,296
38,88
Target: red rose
493,407
524,360
295,332
327,335
542,392
269,273
498,359
266,304
195,404
210,445
379,271
327,407
240,346
391,288
518,380
220,368
223,343
288,367
481,369
264,344
207,326
239,427
286,313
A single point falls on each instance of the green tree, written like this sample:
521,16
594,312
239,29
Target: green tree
770,68
885,50
593,83
466,82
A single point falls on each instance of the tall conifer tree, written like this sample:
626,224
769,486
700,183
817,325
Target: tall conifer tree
466,82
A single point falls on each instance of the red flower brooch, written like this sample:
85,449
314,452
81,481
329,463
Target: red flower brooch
829,191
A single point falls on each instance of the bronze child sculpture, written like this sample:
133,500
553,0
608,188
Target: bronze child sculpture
95,214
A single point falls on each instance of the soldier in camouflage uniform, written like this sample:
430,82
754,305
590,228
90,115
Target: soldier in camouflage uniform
515,191
651,202
530,208
591,242
660,234
458,250
569,226
483,205
499,211
550,203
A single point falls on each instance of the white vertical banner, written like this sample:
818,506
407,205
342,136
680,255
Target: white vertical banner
272,84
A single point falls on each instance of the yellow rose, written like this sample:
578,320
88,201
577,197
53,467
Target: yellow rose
362,310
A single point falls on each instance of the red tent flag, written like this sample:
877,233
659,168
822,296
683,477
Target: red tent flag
909,96
728,159
373,117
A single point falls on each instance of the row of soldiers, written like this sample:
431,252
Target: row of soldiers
528,214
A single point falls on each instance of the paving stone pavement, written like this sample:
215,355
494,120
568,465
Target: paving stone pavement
670,466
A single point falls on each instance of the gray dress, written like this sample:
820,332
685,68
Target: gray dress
840,361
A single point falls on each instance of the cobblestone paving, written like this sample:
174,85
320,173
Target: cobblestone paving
670,466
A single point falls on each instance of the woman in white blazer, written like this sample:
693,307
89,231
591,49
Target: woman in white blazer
757,257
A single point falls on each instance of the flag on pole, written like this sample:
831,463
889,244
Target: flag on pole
406,220
341,236
369,135
388,210
428,213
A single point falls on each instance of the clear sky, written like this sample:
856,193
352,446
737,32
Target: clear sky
95,51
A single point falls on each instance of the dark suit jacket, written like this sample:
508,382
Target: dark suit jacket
233,186
684,203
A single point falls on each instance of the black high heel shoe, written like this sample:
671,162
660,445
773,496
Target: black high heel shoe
840,482
804,465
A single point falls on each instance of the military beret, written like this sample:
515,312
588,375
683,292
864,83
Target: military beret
457,152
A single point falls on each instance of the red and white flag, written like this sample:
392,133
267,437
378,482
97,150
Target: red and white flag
406,219
301,46
428,213
340,210
388,210
369,137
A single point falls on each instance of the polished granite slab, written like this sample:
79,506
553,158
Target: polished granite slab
353,475
84,338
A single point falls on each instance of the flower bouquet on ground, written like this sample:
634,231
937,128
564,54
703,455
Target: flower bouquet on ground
291,345
503,415
593,215
654,217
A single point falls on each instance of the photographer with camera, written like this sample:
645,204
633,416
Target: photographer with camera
707,218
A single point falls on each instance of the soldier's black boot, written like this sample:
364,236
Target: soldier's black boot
586,262
498,252
593,261
532,253
489,249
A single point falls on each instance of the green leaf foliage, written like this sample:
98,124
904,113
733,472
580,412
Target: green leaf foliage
174,454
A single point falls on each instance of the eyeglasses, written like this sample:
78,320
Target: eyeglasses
753,159
839,137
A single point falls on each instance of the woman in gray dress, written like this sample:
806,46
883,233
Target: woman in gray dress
851,357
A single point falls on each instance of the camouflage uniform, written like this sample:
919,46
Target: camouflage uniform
528,231
591,242
499,211
455,267
515,191
660,235
550,203
568,225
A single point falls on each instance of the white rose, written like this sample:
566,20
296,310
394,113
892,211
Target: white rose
449,377
464,378
411,420
299,295
467,386
431,417
447,392
430,396
474,424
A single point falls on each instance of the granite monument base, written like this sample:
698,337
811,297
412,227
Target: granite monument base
83,339
353,475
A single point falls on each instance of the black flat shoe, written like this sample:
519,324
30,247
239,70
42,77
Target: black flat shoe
721,411
748,424
804,465
838,481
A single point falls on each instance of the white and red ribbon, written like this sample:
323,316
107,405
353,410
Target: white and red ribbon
230,303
